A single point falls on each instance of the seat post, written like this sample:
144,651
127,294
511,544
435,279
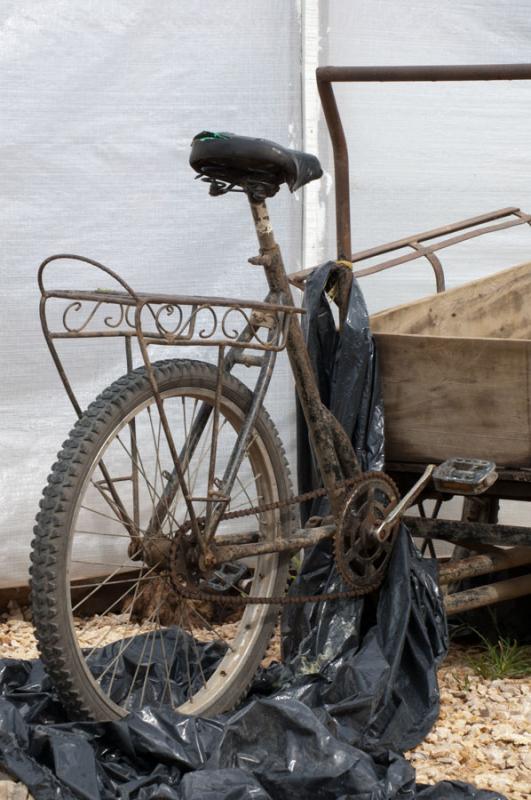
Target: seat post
319,427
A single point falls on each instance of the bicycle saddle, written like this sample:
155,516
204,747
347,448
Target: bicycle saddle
257,165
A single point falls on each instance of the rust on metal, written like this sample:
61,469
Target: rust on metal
512,484
487,595
467,533
326,76
343,445
517,217
269,327
317,420
407,500
361,556
299,540
177,320
484,563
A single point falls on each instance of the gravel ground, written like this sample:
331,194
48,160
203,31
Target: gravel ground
483,735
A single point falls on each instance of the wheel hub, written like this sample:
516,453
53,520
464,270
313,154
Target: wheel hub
185,561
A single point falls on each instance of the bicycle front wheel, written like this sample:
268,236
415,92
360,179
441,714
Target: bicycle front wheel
113,630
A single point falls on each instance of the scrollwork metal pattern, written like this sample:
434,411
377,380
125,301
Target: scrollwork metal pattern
174,323
211,324
118,316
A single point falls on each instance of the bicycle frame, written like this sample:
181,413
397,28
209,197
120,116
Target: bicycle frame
325,433
278,314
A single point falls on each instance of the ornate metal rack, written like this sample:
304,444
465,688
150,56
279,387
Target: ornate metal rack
160,319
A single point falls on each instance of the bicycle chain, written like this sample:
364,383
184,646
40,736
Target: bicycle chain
197,594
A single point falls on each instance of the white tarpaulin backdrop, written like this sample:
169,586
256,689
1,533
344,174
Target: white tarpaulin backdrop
99,103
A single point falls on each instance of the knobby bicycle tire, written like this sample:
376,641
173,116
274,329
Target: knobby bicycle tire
93,437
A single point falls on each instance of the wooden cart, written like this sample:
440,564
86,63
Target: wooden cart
456,372
455,369
455,366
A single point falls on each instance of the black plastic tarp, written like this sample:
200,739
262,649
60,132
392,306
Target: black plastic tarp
357,686
346,369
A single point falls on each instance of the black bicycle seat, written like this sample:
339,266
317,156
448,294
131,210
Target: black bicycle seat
257,165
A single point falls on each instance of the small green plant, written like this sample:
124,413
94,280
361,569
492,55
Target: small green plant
503,659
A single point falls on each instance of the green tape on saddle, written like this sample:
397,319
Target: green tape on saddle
205,136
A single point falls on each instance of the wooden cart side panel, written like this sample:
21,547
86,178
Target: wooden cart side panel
496,306
447,397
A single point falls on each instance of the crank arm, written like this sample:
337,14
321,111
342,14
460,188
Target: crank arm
384,528
463,476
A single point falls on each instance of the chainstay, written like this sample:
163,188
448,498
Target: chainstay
189,593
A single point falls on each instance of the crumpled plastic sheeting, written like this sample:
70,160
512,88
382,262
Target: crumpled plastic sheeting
346,369
377,655
357,686
297,735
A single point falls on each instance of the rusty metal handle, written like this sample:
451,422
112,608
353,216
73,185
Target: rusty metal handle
328,75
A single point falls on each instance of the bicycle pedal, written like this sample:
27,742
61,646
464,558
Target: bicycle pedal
227,576
464,476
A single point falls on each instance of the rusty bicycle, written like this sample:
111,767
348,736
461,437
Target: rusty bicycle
163,542
175,479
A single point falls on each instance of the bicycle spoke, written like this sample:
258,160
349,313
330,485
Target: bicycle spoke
122,648
156,442
166,668
172,659
85,532
101,514
139,662
211,628
186,460
149,486
188,678
172,491
124,518
152,634
244,489
103,583
195,475
215,434
123,565
114,583
107,610
119,511
158,468
198,655
245,503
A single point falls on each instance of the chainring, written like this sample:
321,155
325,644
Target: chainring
361,557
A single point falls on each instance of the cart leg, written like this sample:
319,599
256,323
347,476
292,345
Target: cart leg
480,509
475,509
